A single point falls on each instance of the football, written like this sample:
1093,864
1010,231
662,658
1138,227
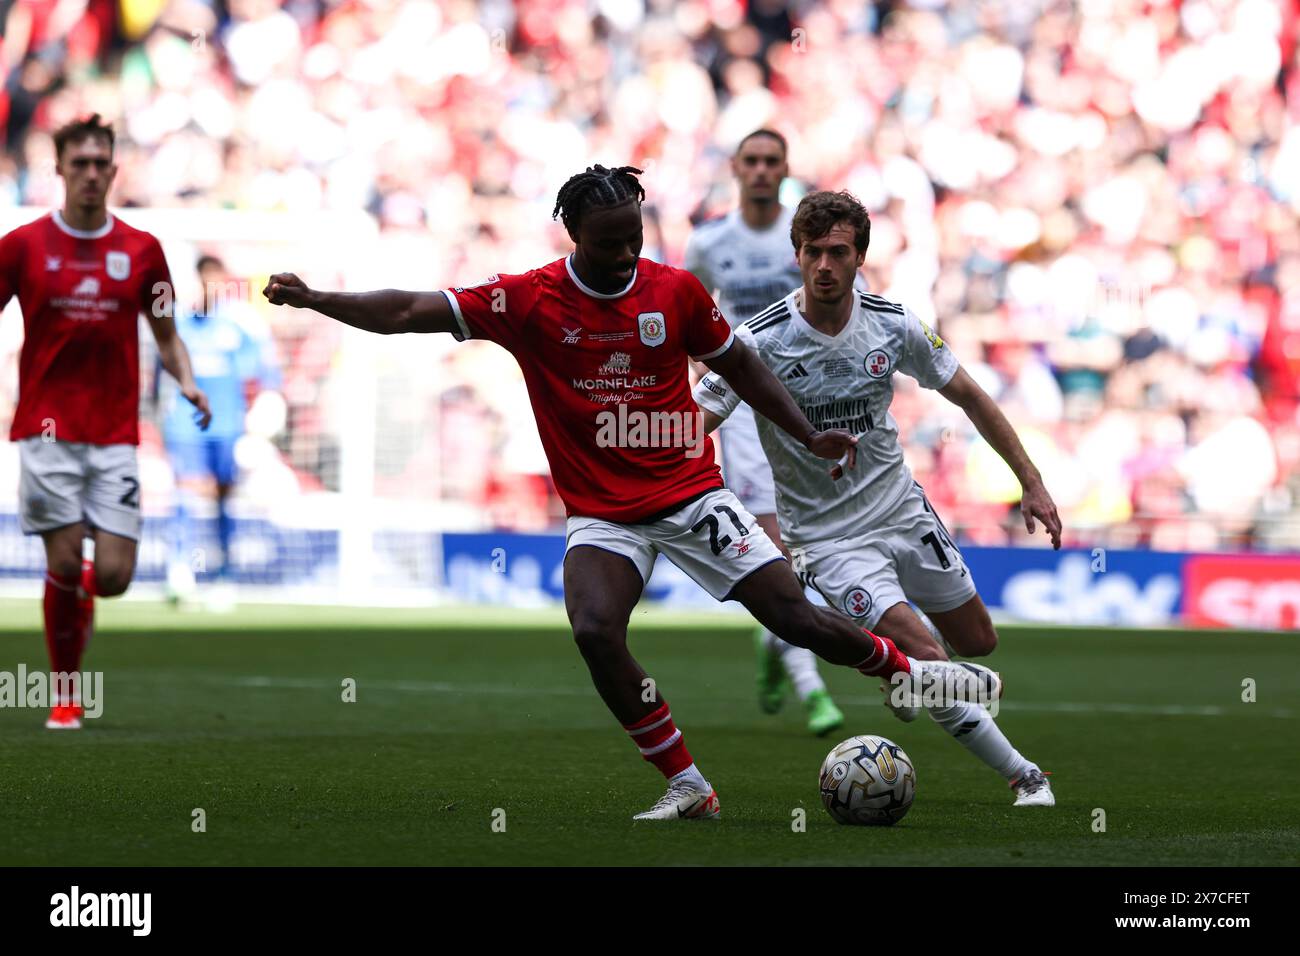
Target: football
867,781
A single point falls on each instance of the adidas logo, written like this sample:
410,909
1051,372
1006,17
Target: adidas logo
797,372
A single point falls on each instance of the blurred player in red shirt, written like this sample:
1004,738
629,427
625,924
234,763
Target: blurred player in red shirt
82,278
603,337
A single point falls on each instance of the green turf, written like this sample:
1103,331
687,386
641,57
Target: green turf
459,714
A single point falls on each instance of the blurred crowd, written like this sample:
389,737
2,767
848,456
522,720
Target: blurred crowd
1095,201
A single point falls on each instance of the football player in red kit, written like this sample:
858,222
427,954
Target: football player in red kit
82,278
602,337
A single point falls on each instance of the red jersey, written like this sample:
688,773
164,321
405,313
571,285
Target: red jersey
607,378
81,295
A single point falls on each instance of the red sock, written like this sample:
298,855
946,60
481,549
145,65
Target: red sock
61,622
886,660
660,742
85,608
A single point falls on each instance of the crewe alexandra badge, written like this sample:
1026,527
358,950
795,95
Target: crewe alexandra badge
652,328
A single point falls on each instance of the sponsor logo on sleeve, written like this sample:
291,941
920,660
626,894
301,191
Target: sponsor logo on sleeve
712,385
474,285
930,334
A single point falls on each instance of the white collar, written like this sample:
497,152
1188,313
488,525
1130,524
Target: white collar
99,233
792,301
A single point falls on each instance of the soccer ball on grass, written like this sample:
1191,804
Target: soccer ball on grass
867,781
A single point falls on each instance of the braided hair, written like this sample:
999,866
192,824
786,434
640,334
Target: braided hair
597,188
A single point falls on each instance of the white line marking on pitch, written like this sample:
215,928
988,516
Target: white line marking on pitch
509,690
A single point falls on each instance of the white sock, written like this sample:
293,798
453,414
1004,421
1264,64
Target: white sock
799,662
692,776
972,727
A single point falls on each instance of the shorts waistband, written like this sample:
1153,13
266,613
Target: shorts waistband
673,509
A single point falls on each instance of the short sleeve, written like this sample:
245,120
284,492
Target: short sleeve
713,394
926,357
156,282
11,259
707,334
494,309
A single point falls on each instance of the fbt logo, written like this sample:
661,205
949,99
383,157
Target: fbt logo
571,335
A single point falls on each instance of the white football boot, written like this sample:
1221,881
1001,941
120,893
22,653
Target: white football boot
939,683
684,802
900,710
1033,790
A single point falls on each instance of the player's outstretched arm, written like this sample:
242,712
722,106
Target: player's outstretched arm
755,384
964,392
387,312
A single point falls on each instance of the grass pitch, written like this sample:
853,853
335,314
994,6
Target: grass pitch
460,715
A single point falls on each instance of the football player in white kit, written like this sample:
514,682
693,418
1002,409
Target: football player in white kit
869,541
744,259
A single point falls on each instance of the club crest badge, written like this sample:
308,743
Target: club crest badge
857,603
652,328
877,363
117,265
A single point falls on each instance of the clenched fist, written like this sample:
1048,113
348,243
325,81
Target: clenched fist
835,443
285,288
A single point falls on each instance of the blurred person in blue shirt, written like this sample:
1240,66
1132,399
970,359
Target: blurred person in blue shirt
232,358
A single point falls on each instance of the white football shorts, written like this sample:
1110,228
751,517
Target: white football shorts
66,482
714,540
907,556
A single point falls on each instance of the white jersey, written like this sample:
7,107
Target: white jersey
843,381
749,268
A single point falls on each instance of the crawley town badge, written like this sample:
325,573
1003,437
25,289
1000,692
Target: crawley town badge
857,603
652,329
877,363
117,265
